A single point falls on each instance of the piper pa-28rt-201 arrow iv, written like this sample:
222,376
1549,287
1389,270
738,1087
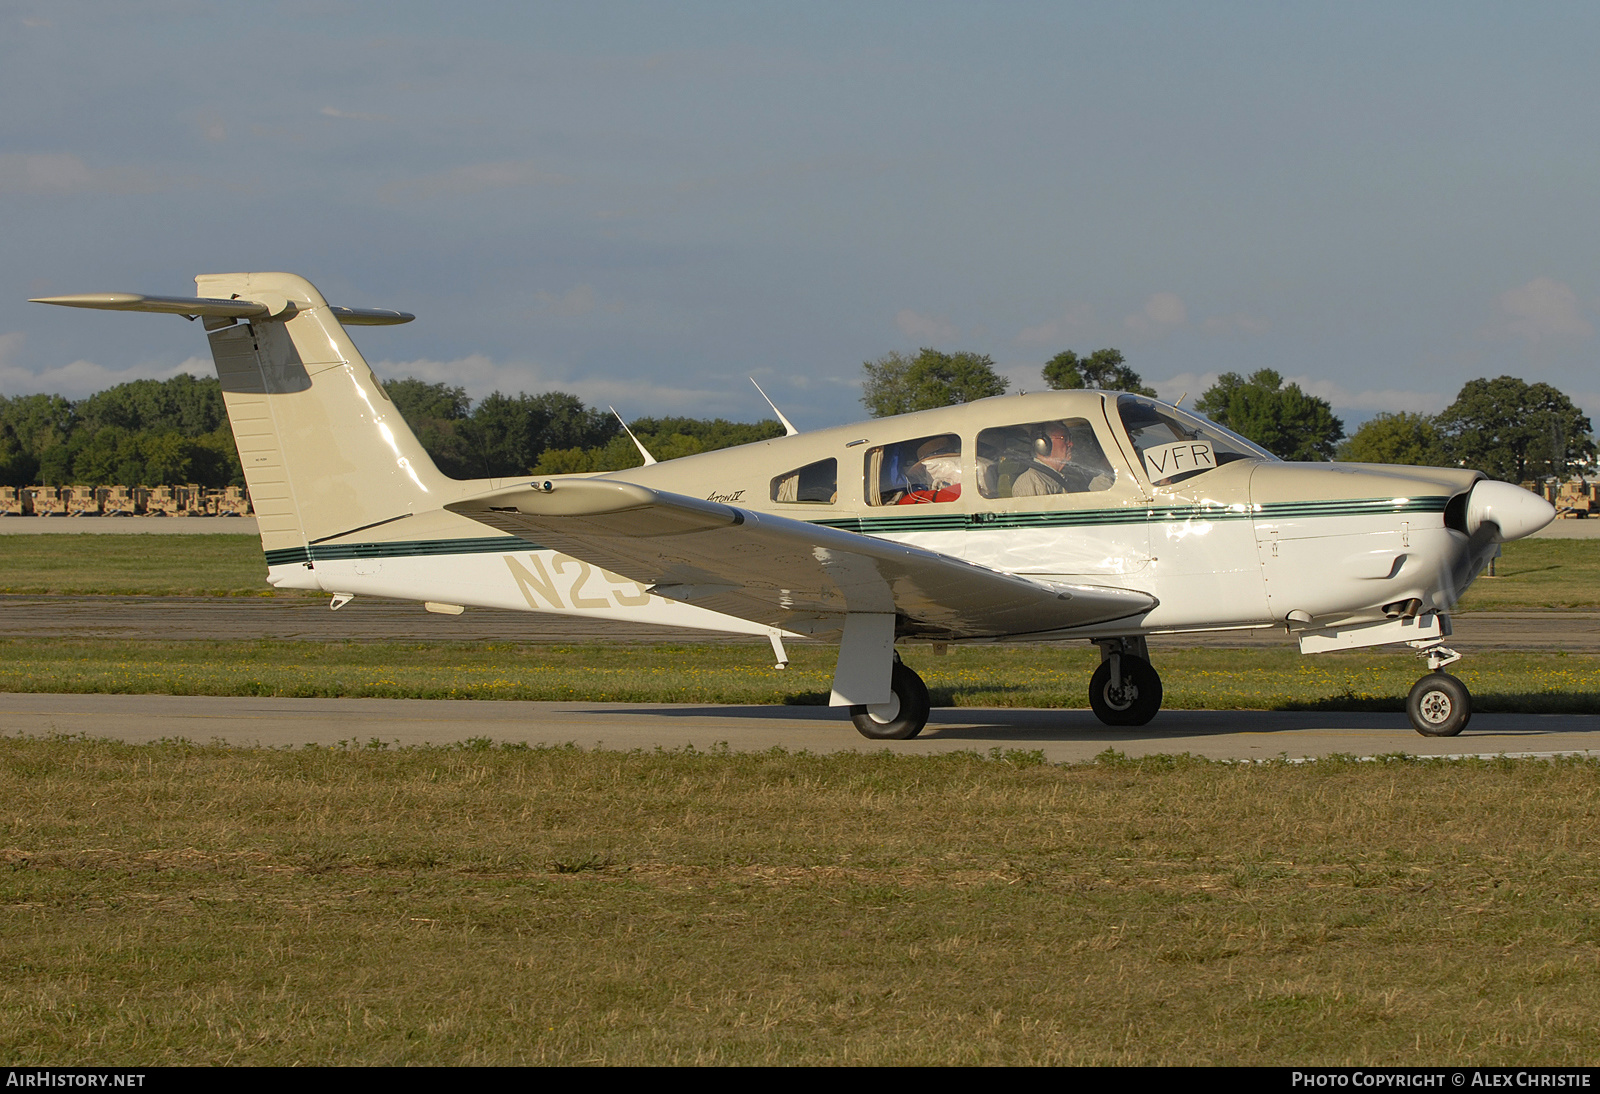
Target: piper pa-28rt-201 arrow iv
1041,517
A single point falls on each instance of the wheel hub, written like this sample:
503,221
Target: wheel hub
884,713
1436,707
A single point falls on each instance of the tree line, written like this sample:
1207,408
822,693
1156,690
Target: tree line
172,432
1505,427
144,433
551,434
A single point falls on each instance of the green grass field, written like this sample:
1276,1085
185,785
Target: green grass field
133,565
173,904
970,676
1539,574
1534,574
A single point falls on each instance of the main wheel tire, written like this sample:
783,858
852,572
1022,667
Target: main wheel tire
1439,705
906,712
1135,702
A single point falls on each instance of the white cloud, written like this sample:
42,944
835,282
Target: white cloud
1237,323
925,329
1384,399
80,378
480,375
354,115
1162,313
1543,308
1185,383
64,173
1390,400
1074,320
1023,377
43,173
577,301
474,178
212,126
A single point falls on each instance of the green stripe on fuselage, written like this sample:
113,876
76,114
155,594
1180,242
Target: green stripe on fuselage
916,522
1090,518
406,548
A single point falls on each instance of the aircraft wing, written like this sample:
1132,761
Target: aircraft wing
783,572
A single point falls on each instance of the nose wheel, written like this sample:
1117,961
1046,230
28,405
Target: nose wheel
1439,705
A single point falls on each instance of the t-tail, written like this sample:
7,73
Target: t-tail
324,450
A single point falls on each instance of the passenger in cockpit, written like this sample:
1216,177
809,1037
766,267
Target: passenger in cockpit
936,476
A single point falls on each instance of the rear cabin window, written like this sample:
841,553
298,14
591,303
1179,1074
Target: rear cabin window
1061,456
923,471
814,484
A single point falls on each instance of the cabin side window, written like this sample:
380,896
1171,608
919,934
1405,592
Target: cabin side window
814,484
1060,456
926,470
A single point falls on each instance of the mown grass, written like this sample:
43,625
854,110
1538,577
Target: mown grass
969,676
133,565
1534,574
175,904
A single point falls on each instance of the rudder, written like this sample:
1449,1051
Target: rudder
324,450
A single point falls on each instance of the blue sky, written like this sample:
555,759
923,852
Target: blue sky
645,203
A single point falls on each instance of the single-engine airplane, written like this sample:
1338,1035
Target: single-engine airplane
1067,514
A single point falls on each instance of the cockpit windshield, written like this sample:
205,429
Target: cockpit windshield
1174,445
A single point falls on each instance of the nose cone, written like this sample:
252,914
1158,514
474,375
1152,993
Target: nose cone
1511,509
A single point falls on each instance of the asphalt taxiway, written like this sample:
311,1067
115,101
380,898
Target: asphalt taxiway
1063,736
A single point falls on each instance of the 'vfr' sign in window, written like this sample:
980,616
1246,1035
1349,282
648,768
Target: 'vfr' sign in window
1178,458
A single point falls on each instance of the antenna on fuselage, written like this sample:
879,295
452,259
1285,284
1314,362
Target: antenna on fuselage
1181,398
643,451
788,426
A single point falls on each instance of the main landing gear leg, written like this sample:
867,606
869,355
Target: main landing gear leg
1439,704
1126,689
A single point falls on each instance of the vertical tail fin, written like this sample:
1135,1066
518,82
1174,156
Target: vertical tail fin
324,450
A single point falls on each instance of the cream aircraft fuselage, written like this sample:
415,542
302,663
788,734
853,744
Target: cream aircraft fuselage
1078,514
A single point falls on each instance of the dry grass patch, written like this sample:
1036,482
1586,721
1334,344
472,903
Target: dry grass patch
179,904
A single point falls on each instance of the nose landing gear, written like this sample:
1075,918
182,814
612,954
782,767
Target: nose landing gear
1439,704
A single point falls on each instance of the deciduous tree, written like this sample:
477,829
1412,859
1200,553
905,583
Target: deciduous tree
1282,419
1513,431
897,383
1104,369
1396,438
